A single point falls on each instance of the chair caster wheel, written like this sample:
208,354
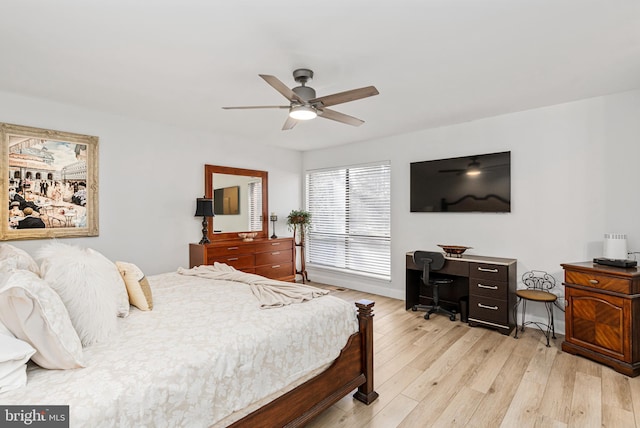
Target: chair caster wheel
426,316
414,309
452,317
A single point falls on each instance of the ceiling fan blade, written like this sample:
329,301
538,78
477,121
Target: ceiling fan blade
451,170
250,107
281,87
346,96
289,123
339,117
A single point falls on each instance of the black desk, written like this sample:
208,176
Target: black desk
489,284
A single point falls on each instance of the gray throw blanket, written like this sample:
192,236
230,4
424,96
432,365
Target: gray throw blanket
269,292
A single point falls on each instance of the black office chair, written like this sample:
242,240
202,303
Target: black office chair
432,261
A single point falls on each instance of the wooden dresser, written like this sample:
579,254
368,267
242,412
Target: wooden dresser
273,258
603,315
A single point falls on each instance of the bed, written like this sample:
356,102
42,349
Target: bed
208,355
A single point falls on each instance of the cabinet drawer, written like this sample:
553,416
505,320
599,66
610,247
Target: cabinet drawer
276,270
274,246
596,280
239,262
489,271
488,309
488,288
226,250
274,257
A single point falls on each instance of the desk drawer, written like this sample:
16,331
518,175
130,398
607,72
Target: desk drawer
487,309
489,271
488,288
239,262
599,281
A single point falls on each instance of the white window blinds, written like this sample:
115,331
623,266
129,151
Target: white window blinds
350,219
255,205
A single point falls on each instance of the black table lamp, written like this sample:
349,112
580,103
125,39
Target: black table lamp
204,209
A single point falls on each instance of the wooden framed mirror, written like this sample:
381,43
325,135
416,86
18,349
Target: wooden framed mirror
240,200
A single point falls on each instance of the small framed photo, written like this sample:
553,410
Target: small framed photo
49,183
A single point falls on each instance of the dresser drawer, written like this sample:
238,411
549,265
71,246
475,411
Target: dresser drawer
225,250
241,261
489,271
488,309
599,281
489,288
274,246
274,257
275,271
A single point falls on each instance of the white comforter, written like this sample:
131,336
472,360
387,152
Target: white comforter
205,351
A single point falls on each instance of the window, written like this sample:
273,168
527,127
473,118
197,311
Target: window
350,219
255,205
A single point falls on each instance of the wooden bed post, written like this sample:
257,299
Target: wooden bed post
365,392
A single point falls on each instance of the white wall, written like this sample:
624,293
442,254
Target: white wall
575,176
150,176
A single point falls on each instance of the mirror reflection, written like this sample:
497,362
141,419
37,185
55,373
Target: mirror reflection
237,203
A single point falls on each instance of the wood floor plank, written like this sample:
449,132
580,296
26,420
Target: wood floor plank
393,413
460,409
556,401
586,404
496,401
616,391
419,389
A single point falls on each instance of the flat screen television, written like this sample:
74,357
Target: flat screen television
479,183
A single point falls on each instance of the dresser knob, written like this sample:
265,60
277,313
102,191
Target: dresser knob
594,281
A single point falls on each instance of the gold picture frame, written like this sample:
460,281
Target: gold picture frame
49,183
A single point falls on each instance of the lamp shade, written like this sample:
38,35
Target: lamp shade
204,207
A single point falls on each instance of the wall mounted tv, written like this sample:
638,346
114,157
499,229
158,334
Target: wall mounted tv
478,183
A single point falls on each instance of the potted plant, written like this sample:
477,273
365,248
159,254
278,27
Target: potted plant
299,220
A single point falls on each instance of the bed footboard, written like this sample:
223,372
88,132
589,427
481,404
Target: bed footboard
352,369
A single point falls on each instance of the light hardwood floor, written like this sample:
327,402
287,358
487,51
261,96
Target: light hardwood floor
438,373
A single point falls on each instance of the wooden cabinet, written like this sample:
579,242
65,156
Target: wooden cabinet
492,288
602,317
273,258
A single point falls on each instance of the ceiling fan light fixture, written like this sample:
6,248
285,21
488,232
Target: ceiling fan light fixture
302,112
473,172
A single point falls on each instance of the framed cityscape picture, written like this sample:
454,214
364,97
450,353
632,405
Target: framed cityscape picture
49,183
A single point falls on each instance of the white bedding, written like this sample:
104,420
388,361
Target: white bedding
205,351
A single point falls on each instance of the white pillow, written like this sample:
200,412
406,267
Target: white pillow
14,354
110,274
83,281
23,259
33,312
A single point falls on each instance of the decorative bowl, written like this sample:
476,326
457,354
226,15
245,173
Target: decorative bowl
247,236
454,250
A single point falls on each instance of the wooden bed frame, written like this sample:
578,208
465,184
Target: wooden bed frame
352,369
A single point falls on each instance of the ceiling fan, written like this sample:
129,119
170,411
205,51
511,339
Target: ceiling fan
304,105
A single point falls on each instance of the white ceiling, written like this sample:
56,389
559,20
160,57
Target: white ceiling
435,62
